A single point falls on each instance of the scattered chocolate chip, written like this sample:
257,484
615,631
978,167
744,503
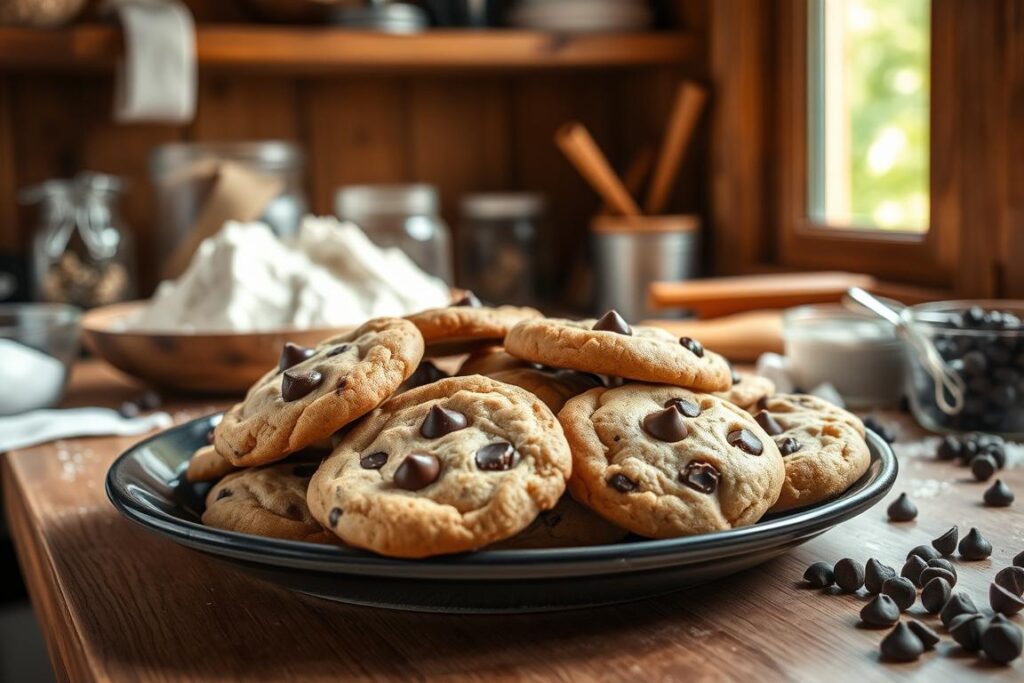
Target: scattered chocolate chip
819,575
902,591
875,574
613,322
849,575
928,637
333,516
942,563
1002,642
902,509
700,476
881,611
693,346
1012,579
224,493
925,552
666,425
789,446
998,495
938,573
949,448
874,424
946,543
983,467
497,457
305,471
768,423
129,409
621,483
468,299
967,630
912,569
1018,559
440,421
295,385
935,595
1004,601
974,546
373,461
901,645
293,354
337,350
417,471
745,441
958,603
687,408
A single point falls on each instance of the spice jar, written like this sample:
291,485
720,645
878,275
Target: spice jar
82,253
498,246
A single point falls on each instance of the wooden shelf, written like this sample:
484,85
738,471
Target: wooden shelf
315,49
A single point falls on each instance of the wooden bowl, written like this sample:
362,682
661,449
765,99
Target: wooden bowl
202,362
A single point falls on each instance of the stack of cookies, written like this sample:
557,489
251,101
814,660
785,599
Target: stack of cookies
553,433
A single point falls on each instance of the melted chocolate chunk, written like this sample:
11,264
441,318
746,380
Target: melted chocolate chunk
295,385
497,457
745,441
373,461
687,408
789,446
417,471
293,354
440,421
621,483
613,322
333,516
666,425
693,346
768,423
700,476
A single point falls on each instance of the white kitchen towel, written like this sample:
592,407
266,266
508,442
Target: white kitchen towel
41,426
156,82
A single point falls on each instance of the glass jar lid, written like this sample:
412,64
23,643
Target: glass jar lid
354,201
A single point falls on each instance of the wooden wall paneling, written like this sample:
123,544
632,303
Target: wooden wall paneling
9,233
246,108
356,131
1013,273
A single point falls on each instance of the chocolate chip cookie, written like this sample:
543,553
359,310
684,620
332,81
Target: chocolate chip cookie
466,326
492,359
554,387
452,466
567,525
663,461
822,447
747,390
266,501
206,464
610,346
314,392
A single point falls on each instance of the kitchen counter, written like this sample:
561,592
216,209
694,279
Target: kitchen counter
117,603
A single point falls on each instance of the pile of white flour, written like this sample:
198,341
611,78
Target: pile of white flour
245,279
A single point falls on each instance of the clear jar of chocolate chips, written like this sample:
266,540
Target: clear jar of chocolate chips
982,342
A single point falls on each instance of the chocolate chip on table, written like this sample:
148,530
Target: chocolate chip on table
937,573
440,421
929,638
1011,578
666,425
333,516
946,543
958,603
998,495
913,568
935,595
745,441
983,467
499,456
849,575
468,299
902,591
789,446
293,354
902,509
621,483
967,630
942,563
295,385
925,552
874,424
1004,601
949,448
684,406
1002,641
819,575
692,345
974,546
881,611
875,574
417,471
768,423
613,322
373,461
700,476
901,645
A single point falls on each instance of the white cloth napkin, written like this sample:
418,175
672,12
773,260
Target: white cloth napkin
41,426
156,82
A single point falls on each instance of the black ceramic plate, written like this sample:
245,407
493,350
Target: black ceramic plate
146,486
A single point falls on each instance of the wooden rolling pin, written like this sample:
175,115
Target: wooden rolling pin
740,338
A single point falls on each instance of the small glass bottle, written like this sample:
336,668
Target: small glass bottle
403,216
498,246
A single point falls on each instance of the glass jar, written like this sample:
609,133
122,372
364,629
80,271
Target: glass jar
82,252
186,174
402,216
498,246
983,343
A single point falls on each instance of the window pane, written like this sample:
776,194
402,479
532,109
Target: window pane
868,113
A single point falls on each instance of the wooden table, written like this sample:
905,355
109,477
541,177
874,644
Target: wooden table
117,603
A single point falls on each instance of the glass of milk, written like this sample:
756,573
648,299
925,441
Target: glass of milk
38,345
